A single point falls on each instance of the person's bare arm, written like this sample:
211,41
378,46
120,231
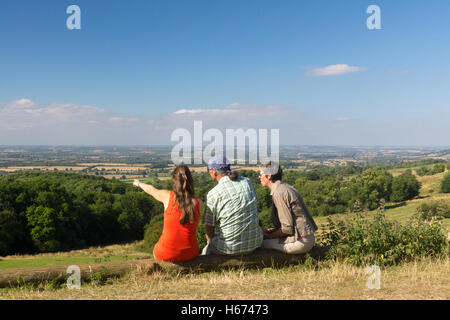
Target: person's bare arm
160,195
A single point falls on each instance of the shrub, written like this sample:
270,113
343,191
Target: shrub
404,187
153,231
135,208
371,186
11,231
422,171
264,219
382,242
43,224
437,168
445,184
324,197
263,196
434,209
201,237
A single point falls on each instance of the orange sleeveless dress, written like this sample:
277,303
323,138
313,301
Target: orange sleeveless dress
177,242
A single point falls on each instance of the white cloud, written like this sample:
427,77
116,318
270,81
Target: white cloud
232,116
333,70
202,111
25,122
123,119
115,119
235,112
21,103
71,112
25,114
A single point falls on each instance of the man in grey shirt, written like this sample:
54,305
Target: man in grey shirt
294,225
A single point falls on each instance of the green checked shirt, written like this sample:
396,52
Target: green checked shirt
231,209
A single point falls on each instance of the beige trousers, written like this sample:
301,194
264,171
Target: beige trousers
300,246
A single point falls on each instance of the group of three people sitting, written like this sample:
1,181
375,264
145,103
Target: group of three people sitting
231,215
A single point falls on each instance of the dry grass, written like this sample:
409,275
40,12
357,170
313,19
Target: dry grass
106,164
121,168
431,184
42,168
425,279
118,167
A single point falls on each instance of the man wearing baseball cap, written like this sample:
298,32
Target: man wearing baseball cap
294,226
231,214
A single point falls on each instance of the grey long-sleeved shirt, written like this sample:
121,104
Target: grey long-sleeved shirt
289,212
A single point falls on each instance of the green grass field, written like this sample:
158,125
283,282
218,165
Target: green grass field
91,255
396,172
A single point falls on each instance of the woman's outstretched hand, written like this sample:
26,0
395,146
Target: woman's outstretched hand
136,183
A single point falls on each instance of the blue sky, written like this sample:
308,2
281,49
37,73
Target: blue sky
139,69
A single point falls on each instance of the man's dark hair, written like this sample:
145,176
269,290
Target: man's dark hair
232,174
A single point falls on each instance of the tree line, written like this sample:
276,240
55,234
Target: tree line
429,171
337,190
45,212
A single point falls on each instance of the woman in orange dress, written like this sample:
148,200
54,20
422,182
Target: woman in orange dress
178,241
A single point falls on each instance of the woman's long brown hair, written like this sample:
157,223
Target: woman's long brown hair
183,187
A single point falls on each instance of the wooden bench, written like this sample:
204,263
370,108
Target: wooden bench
259,258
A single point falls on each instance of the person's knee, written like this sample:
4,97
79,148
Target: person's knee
273,244
298,247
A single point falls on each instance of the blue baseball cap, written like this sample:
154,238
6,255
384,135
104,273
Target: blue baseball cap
219,162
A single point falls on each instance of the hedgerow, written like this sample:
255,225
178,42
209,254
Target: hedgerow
383,242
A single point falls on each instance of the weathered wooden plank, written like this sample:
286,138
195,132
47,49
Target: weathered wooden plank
259,258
